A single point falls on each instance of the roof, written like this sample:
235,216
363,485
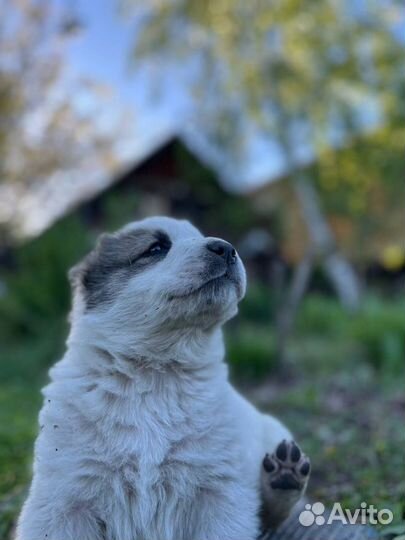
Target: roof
258,161
30,212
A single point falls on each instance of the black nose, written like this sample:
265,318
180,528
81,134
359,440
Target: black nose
223,249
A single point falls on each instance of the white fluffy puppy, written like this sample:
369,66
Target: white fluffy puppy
142,436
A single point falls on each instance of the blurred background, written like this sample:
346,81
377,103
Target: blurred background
278,125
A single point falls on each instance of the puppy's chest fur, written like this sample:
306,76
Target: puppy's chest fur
143,451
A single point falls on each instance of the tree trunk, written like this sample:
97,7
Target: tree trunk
339,271
323,248
288,311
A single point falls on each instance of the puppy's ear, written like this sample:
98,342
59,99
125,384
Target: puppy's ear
74,275
79,273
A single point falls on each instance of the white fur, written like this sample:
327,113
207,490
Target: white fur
142,436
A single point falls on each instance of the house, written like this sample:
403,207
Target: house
170,173
170,180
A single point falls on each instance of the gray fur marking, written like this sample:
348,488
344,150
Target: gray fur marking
116,258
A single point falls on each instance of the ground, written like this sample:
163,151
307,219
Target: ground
348,422
345,409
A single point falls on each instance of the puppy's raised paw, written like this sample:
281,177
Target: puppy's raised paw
284,478
288,468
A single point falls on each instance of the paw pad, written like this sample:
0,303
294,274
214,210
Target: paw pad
288,468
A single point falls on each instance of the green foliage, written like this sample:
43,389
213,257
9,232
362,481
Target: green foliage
38,283
380,329
259,304
25,357
321,315
251,352
375,334
118,209
36,301
18,427
377,330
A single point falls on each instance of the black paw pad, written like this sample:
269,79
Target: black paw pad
295,453
286,481
268,464
281,451
305,468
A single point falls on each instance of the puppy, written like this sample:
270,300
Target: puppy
142,437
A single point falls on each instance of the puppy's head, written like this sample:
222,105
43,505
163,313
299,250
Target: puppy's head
157,274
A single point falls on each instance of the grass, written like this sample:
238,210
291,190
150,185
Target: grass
19,405
348,420
341,393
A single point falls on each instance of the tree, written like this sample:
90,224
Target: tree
43,129
310,75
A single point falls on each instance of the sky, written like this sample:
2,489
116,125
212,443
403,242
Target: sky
102,52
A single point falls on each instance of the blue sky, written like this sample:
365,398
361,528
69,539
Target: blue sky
102,52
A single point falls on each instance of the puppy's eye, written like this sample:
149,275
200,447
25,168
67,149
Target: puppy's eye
157,248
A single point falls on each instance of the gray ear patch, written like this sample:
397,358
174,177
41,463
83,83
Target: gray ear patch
115,259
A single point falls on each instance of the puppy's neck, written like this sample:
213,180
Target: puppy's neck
175,350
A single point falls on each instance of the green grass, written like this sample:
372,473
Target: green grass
251,351
341,393
348,422
378,328
19,405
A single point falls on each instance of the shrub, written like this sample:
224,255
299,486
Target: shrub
251,351
378,327
259,305
36,300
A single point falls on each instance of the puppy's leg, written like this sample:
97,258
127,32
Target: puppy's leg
284,478
47,522
229,514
